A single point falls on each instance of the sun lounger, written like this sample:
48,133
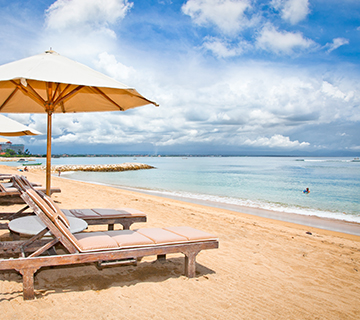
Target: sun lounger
9,194
107,247
98,216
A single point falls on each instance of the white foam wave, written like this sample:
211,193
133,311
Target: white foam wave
275,207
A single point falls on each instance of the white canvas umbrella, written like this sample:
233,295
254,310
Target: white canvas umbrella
12,128
50,83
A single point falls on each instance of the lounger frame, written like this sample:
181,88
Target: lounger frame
27,267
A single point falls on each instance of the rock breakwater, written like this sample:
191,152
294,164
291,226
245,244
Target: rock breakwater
97,167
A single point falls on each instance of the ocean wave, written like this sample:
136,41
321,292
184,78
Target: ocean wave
270,206
324,160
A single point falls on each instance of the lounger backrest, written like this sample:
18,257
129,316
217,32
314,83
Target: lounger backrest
43,206
59,214
50,208
19,183
26,182
54,216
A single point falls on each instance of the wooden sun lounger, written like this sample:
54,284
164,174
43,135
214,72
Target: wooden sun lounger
124,216
107,247
9,194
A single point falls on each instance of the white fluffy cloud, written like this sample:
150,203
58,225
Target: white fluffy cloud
73,14
222,49
282,42
337,42
83,28
233,17
293,11
113,68
228,15
276,141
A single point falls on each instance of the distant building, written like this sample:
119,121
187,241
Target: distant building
7,144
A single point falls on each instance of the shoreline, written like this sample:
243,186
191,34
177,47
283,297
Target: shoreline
336,225
323,223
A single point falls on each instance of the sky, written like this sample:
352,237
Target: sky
231,77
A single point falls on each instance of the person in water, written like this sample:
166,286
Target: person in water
306,190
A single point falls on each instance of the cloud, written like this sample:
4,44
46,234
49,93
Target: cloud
355,148
333,91
228,15
73,14
292,11
83,29
223,49
241,104
109,65
276,141
282,42
234,17
337,42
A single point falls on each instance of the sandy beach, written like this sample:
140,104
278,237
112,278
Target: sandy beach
264,269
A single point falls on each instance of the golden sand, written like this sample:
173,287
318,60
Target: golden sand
264,269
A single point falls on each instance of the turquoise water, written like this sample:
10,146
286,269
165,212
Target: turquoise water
273,183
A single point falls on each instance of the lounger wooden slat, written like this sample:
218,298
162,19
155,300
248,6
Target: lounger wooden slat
98,216
103,246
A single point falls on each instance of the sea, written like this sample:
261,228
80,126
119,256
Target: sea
268,186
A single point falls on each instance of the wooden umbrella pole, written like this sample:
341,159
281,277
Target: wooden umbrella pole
48,153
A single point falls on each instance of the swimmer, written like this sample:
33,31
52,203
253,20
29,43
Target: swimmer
306,190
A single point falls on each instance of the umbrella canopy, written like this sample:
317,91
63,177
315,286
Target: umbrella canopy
12,128
50,83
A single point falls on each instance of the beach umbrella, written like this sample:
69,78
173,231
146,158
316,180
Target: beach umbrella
50,83
12,128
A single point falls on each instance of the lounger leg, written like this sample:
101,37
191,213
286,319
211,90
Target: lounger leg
190,264
126,224
161,257
28,283
14,235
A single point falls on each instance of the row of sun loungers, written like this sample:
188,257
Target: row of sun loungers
101,247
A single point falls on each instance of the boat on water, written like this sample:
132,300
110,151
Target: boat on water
22,160
355,160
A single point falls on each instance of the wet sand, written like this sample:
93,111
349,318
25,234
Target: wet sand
264,268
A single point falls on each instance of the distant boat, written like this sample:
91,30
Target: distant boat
299,159
355,160
22,160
